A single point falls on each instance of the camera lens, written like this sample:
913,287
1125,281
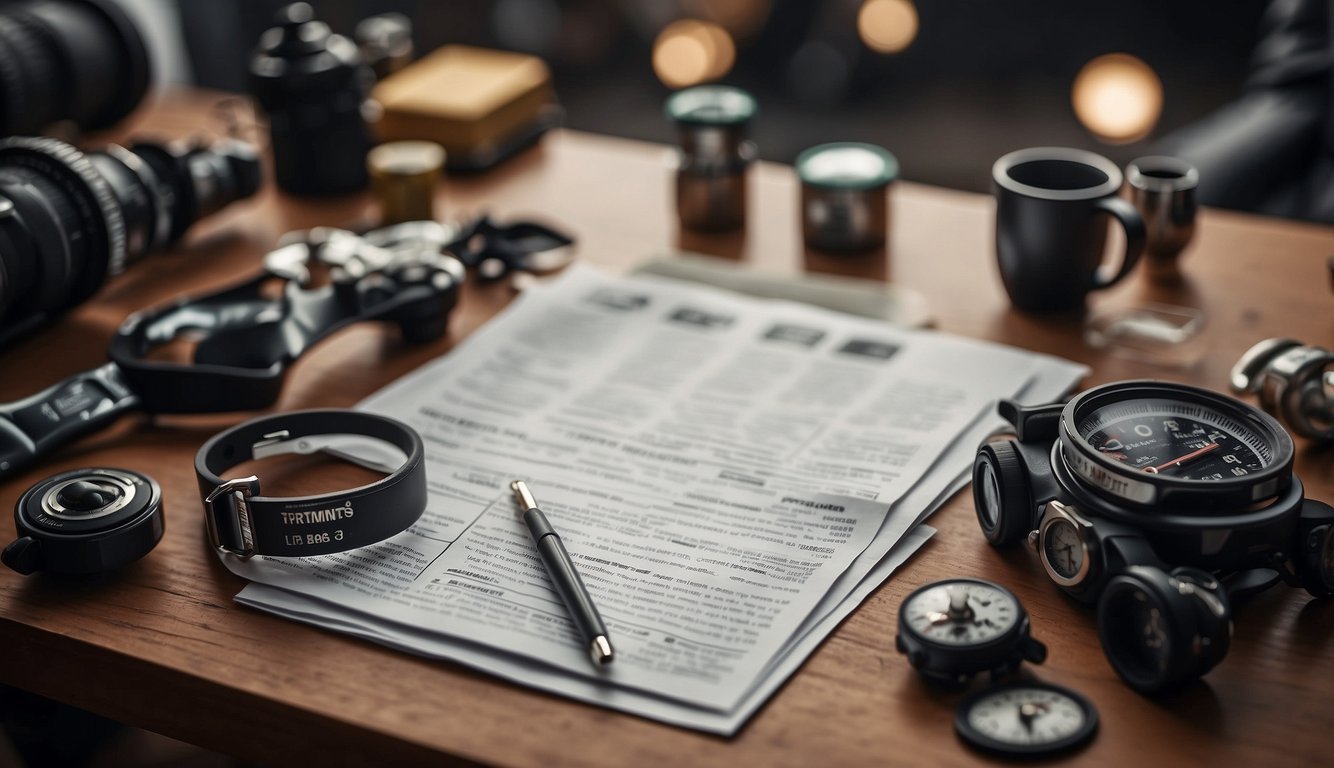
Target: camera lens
68,220
78,60
1137,635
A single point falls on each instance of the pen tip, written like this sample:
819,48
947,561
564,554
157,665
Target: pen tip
600,650
522,495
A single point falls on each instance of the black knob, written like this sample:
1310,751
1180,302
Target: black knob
83,496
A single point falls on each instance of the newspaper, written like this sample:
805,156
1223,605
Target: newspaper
727,473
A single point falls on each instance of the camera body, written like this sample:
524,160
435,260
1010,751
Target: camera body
1161,556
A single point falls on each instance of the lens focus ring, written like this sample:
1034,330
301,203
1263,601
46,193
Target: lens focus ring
93,196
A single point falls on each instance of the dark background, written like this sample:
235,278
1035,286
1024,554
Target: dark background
981,78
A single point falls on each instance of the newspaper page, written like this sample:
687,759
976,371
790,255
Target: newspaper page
715,464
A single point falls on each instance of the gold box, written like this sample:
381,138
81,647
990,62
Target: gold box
468,100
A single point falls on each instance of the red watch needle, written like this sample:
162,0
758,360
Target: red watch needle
1182,460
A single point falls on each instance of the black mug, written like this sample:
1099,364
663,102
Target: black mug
1050,236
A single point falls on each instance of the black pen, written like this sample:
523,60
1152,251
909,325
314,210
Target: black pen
563,575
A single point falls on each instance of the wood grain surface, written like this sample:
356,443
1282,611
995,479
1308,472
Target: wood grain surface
163,646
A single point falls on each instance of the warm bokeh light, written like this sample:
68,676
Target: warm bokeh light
689,52
1118,98
887,26
742,18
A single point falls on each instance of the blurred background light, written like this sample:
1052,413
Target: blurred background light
1118,98
887,26
690,51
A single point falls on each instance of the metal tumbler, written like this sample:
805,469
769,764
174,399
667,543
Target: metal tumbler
1163,189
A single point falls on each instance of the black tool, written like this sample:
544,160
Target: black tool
1140,497
491,250
78,60
954,629
246,339
495,250
313,84
85,521
68,220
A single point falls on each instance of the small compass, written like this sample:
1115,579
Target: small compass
953,629
1029,719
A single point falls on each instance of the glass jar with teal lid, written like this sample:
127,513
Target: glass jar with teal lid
845,195
713,130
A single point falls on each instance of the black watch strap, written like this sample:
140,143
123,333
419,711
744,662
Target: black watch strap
242,522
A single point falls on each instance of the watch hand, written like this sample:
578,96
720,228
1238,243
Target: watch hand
1029,712
1195,454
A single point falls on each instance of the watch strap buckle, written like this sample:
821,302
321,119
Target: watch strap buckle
229,518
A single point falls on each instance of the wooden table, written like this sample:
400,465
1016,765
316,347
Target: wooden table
162,646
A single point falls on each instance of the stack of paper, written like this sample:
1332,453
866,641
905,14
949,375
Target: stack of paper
731,476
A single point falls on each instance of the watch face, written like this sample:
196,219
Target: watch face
961,613
1175,438
1174,449
1027,718
1063,548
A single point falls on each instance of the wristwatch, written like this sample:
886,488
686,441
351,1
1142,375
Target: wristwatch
244,523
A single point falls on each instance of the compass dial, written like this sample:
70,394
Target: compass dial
1176,438
961,613
1026,719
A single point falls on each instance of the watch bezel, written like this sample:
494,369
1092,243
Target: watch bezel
1124,484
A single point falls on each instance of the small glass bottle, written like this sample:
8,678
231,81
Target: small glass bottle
712,123
845,195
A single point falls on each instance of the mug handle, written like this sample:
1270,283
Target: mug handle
1133,224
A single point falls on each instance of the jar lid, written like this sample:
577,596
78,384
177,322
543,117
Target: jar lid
405,158
846,165
711,105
